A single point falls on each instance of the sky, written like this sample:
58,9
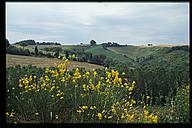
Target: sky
75,23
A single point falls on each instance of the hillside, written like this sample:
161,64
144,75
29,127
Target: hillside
12,60
141,55
115,55
133,56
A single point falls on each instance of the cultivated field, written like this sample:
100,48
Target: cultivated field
12,60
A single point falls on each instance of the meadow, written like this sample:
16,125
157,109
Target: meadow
52,90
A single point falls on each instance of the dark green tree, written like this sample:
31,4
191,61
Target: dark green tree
92,43
67,54
56,54
36,51
23,45
7,43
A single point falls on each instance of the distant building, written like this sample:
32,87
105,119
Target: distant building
149,44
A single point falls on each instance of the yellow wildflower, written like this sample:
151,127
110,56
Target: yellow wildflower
122,116
123,73
95,74
84,107
61,97
103,111
79,111
12,114
99,115
109,117
154,119
91,108
133,83
56,116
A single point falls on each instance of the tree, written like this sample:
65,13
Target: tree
23,45
67,54
7,43
36,51
28,42
56,54
92,43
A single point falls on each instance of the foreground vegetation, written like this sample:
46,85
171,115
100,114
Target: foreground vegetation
60,95
139,84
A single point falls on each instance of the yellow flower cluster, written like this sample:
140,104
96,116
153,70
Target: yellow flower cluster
110,93
149,117
28,83
83,108
10,114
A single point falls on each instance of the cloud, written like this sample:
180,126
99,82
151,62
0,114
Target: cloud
80,22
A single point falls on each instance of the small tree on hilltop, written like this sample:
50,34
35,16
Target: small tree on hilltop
92,43
23,45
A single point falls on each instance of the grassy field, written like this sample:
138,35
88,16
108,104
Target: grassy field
99,50
12,60
135,51
128,54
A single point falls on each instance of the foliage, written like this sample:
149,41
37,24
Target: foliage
92,43
36,51
7,43
110,44
177,109
59,95
184,48
28,42
56,54
17,51
53,49
23,44
47,43
32,42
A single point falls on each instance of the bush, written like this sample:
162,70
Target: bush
17,51
177,109
56,54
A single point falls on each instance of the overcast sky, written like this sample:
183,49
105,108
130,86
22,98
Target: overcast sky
73,23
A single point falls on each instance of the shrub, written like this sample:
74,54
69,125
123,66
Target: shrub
17,51
177,109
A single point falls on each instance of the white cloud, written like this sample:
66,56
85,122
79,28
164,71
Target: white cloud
78,22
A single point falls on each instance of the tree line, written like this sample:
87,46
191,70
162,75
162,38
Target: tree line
32,42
